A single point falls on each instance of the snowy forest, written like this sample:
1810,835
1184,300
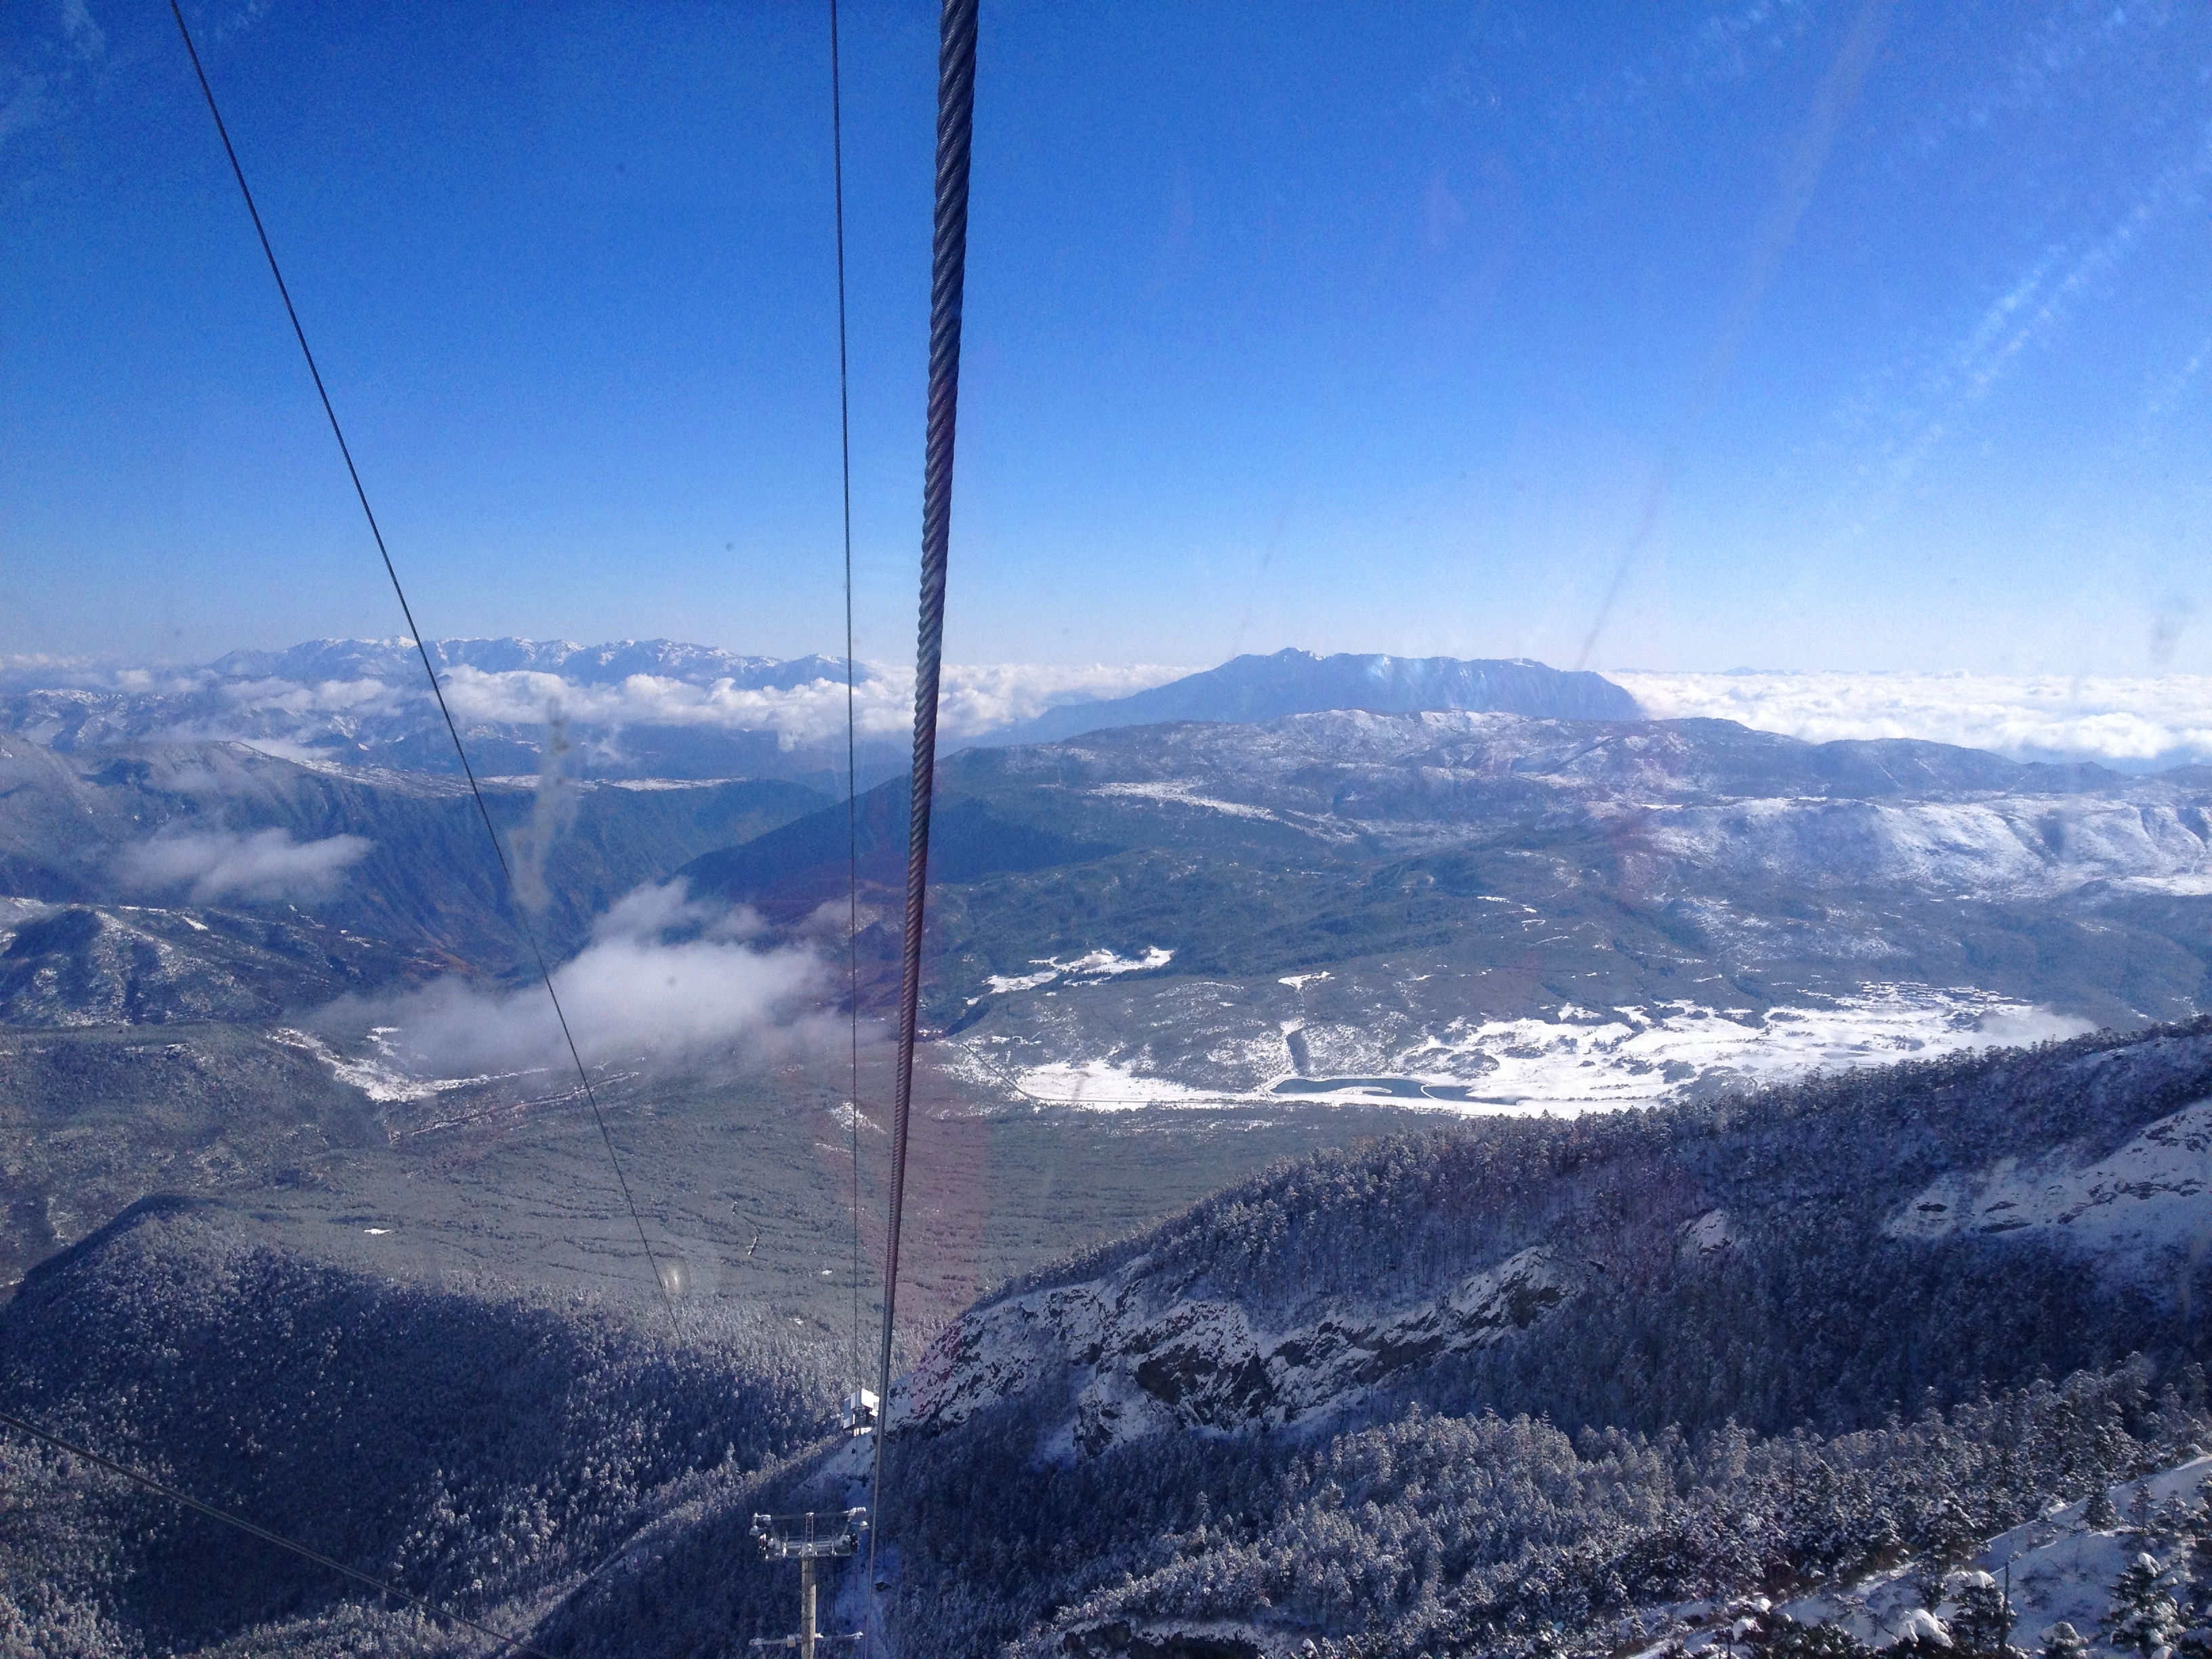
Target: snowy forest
1820,1432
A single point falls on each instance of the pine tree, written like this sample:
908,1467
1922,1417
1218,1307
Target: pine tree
1952,1538
1984,1621
2143,1616
2062,1641
2102,1515
2194,1537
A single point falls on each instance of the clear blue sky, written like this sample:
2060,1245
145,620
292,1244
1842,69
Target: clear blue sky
1358,327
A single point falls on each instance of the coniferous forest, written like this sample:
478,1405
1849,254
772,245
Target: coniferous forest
1701,1427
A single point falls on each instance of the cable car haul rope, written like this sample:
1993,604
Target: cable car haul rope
956,109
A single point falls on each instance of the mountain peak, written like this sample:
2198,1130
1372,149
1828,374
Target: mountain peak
1292,681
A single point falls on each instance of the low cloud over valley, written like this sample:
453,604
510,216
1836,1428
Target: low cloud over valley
211,865
664,979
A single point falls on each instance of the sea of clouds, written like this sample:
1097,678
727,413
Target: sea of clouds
2131,723
2134,722
973,699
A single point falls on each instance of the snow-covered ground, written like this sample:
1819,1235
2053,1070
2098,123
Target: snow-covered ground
2011,847
1091,966
376,1071
2060,1568
1574,1061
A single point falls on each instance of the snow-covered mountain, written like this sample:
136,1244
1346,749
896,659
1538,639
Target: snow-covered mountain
1634,1386
1466,1272
1693,1380
396,661
1255,688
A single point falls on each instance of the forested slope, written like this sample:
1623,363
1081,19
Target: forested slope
473,1445
1522,1388
1535,1382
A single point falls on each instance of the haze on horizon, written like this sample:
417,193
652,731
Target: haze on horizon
1840,336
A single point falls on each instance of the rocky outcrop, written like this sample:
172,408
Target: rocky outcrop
1137,1366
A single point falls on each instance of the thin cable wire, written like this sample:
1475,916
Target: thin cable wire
264,1534
956,110
852,744
423,650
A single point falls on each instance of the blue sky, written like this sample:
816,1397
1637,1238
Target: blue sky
1821,336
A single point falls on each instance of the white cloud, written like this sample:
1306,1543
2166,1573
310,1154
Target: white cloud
665,979
2129,722
288,718
981,699
256,864
972,700
360,696
649,914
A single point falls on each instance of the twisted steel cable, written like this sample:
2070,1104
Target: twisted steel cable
956,109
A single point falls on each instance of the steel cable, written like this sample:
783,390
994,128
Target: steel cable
956,109
423,650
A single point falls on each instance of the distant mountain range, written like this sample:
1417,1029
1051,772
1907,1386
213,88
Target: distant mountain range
1390,896
398,661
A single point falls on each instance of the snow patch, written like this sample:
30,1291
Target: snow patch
1187,794
2149,1194
1575,1060
1105,1086
375,1075
1708,1234
1090,967
1637,1056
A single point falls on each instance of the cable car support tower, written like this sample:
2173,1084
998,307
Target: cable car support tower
832,1535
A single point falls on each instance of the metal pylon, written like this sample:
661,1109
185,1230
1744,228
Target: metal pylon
832,1534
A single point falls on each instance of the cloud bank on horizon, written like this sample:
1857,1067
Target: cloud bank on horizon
973,698
2128,722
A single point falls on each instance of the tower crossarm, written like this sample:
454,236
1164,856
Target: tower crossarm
816,1535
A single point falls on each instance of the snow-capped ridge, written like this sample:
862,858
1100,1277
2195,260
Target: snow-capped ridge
2130,1205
